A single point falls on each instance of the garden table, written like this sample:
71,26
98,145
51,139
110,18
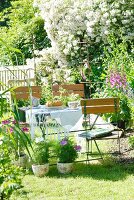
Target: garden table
40,115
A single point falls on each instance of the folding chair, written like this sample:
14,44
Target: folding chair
92,133
69,89
24,93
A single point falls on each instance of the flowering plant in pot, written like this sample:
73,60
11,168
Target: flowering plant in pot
67,152
40,164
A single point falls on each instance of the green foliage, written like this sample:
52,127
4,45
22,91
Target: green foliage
124,113
118,63
10,175
119,54
24,31
22,103
46,94
41,152
131,141
94,54
4,105
18,138
66,151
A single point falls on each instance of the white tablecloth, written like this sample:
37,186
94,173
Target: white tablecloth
65,116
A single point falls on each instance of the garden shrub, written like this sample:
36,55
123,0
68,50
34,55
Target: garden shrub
10,175
80,29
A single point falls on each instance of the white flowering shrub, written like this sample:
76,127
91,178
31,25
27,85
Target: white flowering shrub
71,24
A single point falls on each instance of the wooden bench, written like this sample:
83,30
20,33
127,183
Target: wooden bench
69,89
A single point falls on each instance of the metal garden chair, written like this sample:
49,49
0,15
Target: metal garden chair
92,133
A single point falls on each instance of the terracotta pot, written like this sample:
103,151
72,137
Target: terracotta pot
40,170
54,103
65,168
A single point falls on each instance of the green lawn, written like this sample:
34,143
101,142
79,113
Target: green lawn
87,182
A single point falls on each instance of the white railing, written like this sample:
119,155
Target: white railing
16,76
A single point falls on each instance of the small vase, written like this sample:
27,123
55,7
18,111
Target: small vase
40,170
65,168
73,104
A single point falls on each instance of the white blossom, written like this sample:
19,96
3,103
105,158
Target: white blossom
66,21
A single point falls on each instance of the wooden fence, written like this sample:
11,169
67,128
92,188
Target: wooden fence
16,76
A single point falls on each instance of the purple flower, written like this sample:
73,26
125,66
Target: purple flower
77,147
117,80
63,142
5,122
25,129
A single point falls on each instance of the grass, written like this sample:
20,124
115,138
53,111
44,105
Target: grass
87,182
95,181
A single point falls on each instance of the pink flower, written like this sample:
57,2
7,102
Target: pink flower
11,130
5,122
117,80
25,129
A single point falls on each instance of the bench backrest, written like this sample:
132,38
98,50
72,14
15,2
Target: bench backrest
23,92
69,88
100,105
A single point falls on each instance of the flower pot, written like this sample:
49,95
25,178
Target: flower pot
65,168
40,170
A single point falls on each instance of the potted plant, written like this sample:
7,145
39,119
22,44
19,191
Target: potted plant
55,101
40,164
67,152
18,139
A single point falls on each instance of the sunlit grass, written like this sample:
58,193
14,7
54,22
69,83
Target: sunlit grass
93,181
107,180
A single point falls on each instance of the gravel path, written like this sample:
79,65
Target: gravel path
127,153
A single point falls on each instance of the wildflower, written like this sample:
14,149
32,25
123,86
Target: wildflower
117,80
5,122
11,129
77,147
63,142
25,129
